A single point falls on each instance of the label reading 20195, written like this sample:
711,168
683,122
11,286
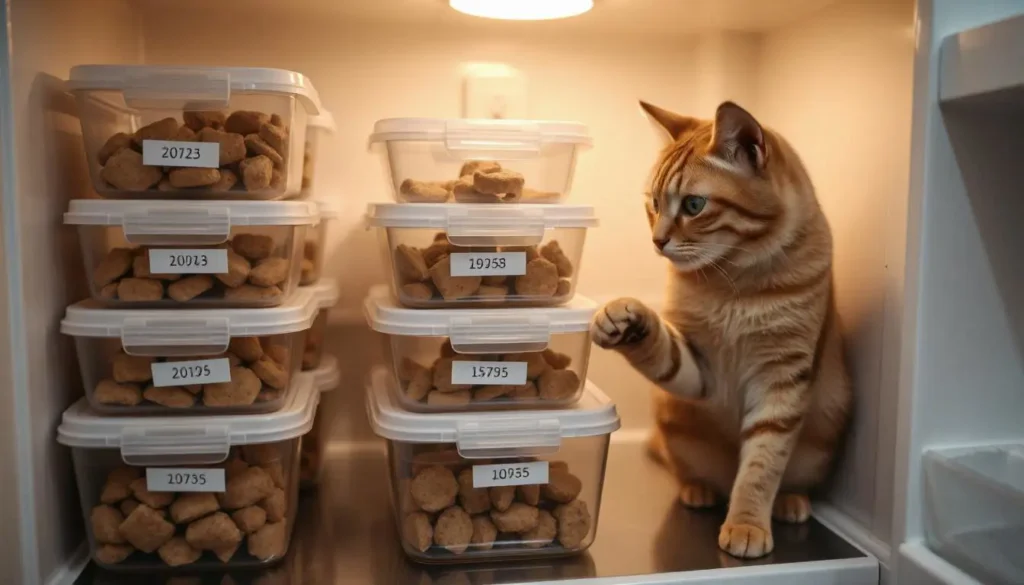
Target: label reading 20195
181,479
191,372
525,473
489,264
188,261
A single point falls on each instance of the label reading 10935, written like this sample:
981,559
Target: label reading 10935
180,479
526,473
488,264
191,372
188,261
489,373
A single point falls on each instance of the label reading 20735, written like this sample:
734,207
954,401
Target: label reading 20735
489,264
489,373
180,479
191,372
174,153
188,261
525,473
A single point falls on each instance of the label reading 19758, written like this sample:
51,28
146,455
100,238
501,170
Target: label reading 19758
489,264
187,261
172,153
526,473
192,372
180,479
489,373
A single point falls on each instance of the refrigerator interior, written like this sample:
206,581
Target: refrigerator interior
835,77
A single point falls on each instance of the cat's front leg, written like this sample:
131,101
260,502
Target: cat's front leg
653,346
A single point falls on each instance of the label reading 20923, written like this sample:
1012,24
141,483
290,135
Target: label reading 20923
188,261
180,479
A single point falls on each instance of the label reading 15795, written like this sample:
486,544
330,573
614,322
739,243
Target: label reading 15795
180,479
173,153
489,373
187,261
489,264
526,473
192,372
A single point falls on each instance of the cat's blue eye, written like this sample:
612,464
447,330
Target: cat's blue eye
694,204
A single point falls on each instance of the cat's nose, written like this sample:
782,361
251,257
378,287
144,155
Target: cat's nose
660,243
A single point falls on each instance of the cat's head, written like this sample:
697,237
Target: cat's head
713,196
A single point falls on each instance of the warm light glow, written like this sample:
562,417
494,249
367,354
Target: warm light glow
522,9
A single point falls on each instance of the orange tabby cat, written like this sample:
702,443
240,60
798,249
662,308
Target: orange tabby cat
755,396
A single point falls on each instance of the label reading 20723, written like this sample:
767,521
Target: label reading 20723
191,372
489,264
173,153
188,261
180,479
525,473
489,373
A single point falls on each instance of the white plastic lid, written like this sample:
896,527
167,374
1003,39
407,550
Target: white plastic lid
482,134
175,216
479,218
328,209
207,439
326,293
328,375
323,121
488,434
139,329
201,87
479,330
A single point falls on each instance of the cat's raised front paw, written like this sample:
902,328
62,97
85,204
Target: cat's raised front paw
745,541
620,322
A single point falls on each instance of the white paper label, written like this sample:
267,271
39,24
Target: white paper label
489,373
529,473
181,479
186,261
193,372
172,153
489,264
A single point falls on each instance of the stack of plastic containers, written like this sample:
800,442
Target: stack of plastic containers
187,443
497,444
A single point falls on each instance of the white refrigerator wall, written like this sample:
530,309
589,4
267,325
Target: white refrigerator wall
44,167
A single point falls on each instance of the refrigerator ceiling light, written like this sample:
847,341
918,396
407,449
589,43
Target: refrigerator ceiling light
522,9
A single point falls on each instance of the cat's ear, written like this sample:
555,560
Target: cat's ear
738,138
673,123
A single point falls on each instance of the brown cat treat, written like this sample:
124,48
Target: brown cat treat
434,488
124,170
525,393
485,393
443,376
790,337
275,136
213,532
552,251
256,172
177,552
452,288
115,265
112,393
272,373
540,280
417,291
276,504
573,523
197,120
534,196
249,294
131,368
492,293
269,542
240,391
189,287
409,264
112,554
105,522
253,247
117,486
453,530
275,469
465,192
146,529
225,553
499,183
558,384
484,533
127,506
473,500
436,251
484,166
140,290
249,519
502,496
112,145
421,384
246,488
245,122
517,518
528,494
261,454
185,178
544,533
228,179
558,361
109,292
169,396
418,531
192,506
164,129
562,487
184,134
257,146
247,349
155,500
424,191
232,145
238,270
449,399
564,288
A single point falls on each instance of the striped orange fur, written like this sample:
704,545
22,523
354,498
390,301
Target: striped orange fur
753,397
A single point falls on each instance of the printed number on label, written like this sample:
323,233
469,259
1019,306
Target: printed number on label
489,373
188,261
192,372
489,264
164,479
173,153
529,473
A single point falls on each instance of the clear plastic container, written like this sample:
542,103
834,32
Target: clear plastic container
158,254
434,160
326,297
315,246
974,509
325,379
494,486
200,493
193,132
484,359
171,362
320,127
452,255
